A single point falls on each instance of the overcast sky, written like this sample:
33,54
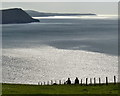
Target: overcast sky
71,7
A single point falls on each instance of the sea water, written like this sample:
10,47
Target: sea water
60,47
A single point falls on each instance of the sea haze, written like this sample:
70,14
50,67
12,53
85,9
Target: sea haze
60,47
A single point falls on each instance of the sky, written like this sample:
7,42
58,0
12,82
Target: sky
108,8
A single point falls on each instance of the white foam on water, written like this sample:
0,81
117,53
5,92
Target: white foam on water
31,65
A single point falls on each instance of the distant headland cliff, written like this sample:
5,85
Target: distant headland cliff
44,14
15,16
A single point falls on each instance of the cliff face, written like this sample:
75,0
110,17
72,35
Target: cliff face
16,15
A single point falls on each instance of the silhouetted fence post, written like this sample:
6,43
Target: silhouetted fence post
47,82
106,80
86,81
41,83
44,83
60,82
81,82
99,81
94,81
114,79
51,82
38,83
90,81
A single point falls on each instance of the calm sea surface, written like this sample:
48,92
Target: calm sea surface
58,48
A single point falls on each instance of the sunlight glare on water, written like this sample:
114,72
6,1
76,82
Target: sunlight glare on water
58,48
80,17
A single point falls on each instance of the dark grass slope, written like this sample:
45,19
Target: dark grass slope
92,90
16,15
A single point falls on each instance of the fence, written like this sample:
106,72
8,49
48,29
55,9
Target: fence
92,81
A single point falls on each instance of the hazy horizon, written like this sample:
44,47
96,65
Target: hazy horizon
106,8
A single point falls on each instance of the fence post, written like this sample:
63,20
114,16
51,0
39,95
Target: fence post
81,82
99,80
41,83
86,81
38,83
106,80
44,83
94,81
60,82
51,82
114,79
47,82
90,81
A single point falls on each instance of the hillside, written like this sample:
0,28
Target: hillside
43,14
61,90
16,15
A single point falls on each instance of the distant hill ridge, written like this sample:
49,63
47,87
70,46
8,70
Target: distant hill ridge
16,15
43,14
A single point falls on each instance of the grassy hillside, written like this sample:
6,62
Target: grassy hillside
59,89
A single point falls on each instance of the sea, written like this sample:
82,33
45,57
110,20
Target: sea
60,47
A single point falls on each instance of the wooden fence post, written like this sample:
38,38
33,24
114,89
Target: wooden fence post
81,82
41,83
51,82
44,83
47,82
114,79
38,83
90,81
94,81
99,80
60,82
106,80
86,81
